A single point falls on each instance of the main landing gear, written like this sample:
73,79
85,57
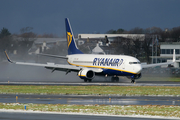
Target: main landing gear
115,79
87,80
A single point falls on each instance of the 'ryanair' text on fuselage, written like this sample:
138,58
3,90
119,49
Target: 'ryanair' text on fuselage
107,62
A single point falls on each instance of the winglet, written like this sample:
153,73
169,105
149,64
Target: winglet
174,56
8,57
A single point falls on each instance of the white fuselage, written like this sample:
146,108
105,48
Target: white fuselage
115,64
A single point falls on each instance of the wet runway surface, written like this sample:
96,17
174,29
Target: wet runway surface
50,116
151,83
84,100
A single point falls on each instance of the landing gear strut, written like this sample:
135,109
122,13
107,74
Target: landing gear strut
115,79
87,80
133,80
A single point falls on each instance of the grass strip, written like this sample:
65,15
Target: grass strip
152,110
160,78
91,90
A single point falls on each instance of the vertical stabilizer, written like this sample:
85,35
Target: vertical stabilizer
72,48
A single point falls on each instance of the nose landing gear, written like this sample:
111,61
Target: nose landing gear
133,80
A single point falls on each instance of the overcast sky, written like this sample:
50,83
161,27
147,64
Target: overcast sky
88,16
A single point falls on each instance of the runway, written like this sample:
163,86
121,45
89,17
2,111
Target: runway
81,100
86,99
55,116
93,83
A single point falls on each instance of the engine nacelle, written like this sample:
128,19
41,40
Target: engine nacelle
86,74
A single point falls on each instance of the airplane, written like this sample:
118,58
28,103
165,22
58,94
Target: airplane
88,66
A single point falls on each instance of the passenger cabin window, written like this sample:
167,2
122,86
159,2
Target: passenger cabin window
134,63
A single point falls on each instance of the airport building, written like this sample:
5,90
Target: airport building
167,51
111,37
105,40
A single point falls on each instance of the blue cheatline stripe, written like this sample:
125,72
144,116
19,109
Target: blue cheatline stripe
116,72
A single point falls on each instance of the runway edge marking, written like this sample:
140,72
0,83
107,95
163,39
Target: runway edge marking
69,113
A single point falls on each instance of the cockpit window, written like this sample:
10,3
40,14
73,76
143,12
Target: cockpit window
134,63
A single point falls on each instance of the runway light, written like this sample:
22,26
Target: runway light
110,99
16,98
25,107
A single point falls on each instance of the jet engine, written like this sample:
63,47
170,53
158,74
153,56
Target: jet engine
86,74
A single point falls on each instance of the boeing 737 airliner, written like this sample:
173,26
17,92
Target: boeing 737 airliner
90,65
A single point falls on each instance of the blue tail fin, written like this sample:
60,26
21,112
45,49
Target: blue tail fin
72,48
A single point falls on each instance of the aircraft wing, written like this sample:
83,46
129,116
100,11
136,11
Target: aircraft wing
154,65
53,66
159,64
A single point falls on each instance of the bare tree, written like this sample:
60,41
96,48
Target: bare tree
137,47
27,37
146,45
5,41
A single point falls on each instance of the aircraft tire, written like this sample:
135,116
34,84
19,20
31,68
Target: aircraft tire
85,80
117,79
90,80
112,79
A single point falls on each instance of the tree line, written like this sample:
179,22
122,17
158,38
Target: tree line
166,35
19,43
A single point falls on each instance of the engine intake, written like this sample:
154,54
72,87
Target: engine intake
86,74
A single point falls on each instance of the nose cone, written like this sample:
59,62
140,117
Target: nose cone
138,68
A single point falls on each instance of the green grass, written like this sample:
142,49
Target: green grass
153,110
91,90
160,78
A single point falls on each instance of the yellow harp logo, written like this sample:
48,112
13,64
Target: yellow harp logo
69,38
